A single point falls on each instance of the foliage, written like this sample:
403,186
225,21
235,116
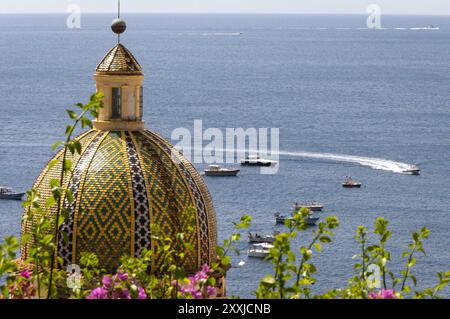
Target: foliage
365,283
293,276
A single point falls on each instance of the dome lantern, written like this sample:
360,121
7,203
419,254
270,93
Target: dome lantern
119,77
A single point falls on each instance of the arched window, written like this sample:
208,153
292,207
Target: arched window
116,103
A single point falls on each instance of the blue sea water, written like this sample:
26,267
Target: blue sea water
331,86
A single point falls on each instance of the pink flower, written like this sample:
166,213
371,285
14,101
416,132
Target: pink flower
142,294
122,276
26,274
23,287
388,294
383,294
206,269
107,281
211,291
98,293
197,286
119,286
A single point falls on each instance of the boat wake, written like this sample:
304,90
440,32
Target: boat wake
372,162
375,163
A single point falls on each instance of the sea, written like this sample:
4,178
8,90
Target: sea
347,100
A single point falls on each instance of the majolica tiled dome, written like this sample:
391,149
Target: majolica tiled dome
127,179
123,182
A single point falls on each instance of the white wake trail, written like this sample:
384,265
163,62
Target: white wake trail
375,163
372,162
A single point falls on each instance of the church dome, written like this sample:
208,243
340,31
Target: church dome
127,179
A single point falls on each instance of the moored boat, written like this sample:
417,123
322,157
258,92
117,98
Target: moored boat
260,250
311,205
257,238
8,193
216,170
310,220
351,183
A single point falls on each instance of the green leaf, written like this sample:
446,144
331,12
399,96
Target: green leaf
85,122
72,114
53,163
325,239
56,145
67,165
69,130
318,247
77,146
69,196
71,148
50,202
268,280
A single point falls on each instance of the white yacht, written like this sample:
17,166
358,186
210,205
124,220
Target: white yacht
260,250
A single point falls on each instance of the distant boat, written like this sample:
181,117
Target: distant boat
413,170
216,170
310,220
257,238
254,160
8,193
260,250
311,205
431,27
350,183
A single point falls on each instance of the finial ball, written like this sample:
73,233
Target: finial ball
118,26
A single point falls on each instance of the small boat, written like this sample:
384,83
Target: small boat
431,27
254,160
257,238
311,205
260,250
310,220
350,183
413,170
216,170
8,193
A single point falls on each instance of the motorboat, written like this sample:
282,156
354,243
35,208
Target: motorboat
310,220
254,160
260,250
257,238
216,170
310,205
351,183
413,170
8,193
432,27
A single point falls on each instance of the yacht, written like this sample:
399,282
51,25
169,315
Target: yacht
254,160
257,238
216,170
311,205
260,250
310,220
8,193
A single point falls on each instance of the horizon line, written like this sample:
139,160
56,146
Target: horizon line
229,13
